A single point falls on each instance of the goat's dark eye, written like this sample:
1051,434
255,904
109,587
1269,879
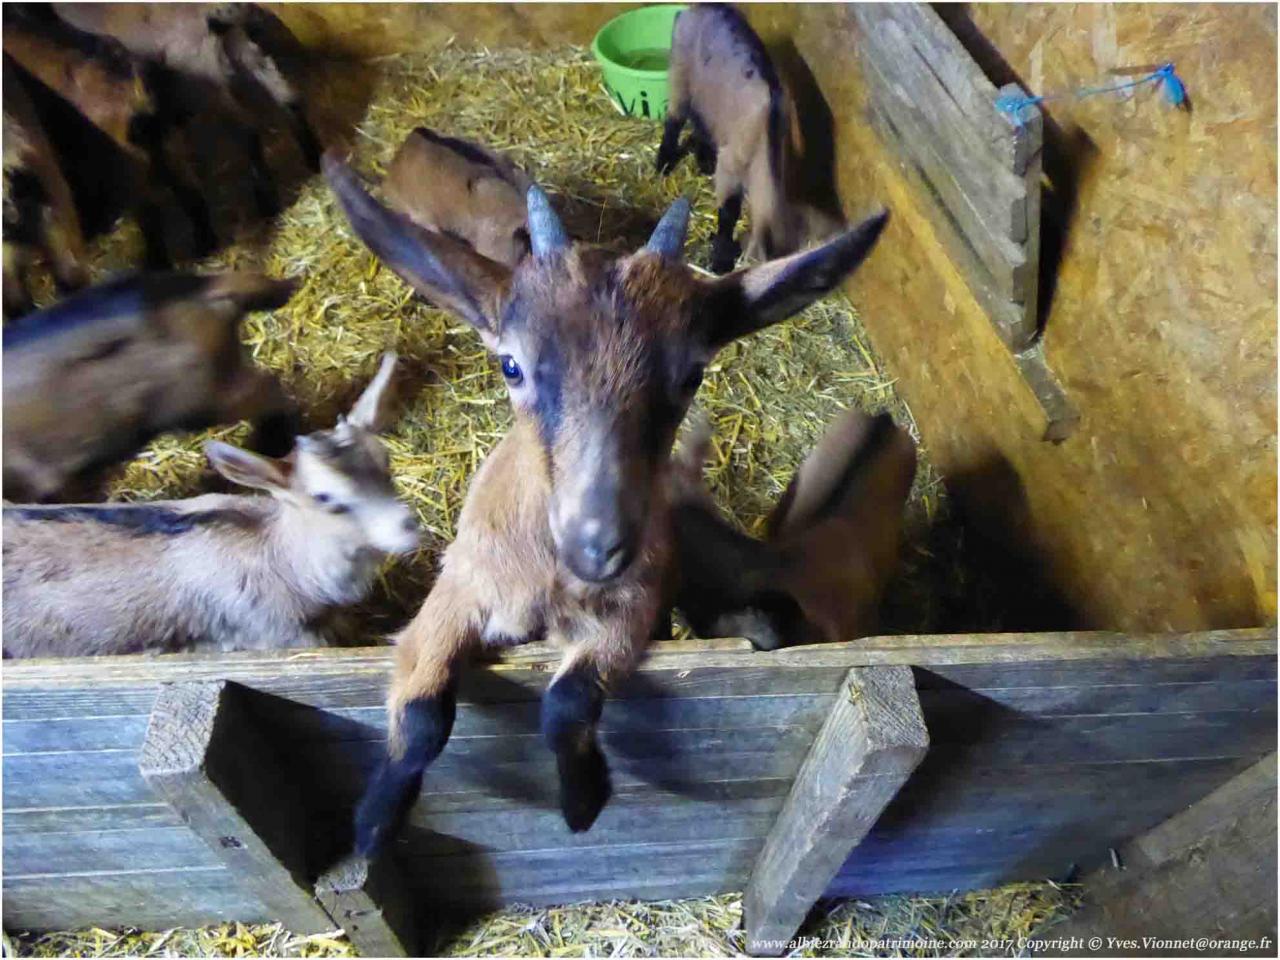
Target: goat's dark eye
693,379
326,500
511,370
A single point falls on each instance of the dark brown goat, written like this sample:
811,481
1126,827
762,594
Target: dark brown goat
111,90
565,531
220,57
832,544
39,209
463,189
89,381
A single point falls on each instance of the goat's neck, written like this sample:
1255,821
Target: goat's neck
322,566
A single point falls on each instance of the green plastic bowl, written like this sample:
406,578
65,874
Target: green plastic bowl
633,50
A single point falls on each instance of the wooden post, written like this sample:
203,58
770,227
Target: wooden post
368,901
872,740
206,757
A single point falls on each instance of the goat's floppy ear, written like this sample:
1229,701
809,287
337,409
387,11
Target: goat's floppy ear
245,468
442,268
751,299
370,411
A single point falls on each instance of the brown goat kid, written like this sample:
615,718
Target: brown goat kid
832,546
462,189
722,81
565,530
214,572
39,210
91,380
220,57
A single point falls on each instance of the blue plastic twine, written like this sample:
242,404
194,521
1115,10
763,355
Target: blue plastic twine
1175,93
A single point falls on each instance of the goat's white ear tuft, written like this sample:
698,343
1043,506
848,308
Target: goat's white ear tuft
370,411
245,468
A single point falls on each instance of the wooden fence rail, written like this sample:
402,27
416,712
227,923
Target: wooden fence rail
1044,750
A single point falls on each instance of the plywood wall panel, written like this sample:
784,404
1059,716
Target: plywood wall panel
1160,512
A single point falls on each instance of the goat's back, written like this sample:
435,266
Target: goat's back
91,379
124,578
461,188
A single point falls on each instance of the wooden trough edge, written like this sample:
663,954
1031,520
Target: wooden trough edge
920,650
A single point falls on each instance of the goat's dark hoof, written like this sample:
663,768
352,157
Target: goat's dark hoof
584,786
666,163
724,254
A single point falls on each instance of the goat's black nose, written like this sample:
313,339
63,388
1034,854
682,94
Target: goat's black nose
603,553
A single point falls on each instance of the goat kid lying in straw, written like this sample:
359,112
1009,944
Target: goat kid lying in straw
565,531
219,572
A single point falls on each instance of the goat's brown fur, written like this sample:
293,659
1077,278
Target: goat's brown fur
39,210
832,545
214,58
88,381
565,530
463,189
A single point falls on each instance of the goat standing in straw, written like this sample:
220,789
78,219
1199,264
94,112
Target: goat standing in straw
565,530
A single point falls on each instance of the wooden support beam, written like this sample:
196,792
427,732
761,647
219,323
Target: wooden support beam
1207,873
204,754
872,740
369,901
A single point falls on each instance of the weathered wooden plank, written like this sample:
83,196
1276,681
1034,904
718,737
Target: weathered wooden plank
870,743
152,901
204,755
997,194
1248,789
1208,871
629,820
372,905
948,60
1030,166
1002,260
129,816
300,674
104,851
979,731
554,875
1072,815
1111,699
1096,673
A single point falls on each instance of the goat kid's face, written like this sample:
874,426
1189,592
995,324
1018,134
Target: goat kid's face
340,478
603,353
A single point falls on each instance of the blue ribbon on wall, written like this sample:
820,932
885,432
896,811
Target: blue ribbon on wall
1165,77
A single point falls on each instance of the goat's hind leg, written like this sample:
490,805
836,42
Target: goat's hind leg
421,710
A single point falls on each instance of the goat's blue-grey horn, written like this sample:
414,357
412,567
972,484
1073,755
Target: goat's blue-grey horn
546,234
668,235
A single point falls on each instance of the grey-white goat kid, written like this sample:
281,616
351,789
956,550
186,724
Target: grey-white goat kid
217,571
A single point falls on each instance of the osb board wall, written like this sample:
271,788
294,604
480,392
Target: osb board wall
377,29
1159,513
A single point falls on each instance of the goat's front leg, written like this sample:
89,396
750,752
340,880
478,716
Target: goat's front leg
669,151
420,710
570,713
608,648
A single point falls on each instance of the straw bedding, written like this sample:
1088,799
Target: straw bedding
769,397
